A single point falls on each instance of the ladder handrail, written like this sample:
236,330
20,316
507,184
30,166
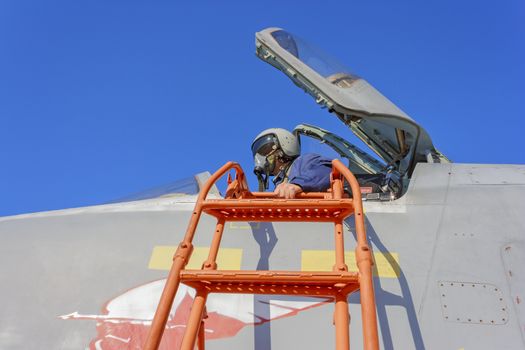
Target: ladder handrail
203,193
181,258
364,262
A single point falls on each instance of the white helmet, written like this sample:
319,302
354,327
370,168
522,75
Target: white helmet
275,138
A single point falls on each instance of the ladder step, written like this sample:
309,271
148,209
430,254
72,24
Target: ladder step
272,282
279,209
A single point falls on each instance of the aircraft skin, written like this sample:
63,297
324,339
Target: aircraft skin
449,270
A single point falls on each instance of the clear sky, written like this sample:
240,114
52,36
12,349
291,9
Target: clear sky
101,99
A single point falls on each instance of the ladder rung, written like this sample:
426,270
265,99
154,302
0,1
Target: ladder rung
272,282
279,209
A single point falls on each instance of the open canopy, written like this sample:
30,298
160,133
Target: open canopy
391,133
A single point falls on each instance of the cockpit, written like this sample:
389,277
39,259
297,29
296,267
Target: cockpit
378,181
397,141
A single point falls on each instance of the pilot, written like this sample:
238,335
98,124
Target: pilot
276,153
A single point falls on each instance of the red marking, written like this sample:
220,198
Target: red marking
126,335
114,333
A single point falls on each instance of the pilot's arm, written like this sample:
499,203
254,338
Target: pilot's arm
309,173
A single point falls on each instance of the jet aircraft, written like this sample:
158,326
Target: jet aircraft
447,240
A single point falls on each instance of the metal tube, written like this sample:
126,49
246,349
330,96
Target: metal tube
339,248
211,261
194,321
368,310
201,341
342,323
165,303
364,261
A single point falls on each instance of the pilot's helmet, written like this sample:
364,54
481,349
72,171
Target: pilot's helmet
274,139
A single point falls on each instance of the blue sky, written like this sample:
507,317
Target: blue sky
99,100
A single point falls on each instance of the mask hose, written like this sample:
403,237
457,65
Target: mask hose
262,182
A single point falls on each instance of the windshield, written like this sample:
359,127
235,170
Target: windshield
325,65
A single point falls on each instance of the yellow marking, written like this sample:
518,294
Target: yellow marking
323,260
247,226
227,259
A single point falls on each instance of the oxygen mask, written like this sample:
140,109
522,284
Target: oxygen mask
263,168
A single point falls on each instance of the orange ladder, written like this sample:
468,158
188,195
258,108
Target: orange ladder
240,204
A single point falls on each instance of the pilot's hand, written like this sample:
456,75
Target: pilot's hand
287,190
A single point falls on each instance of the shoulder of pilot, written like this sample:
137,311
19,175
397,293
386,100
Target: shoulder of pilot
307,157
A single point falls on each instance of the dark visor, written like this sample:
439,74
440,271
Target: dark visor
264,145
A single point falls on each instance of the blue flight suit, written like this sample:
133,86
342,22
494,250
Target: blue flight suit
310,171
